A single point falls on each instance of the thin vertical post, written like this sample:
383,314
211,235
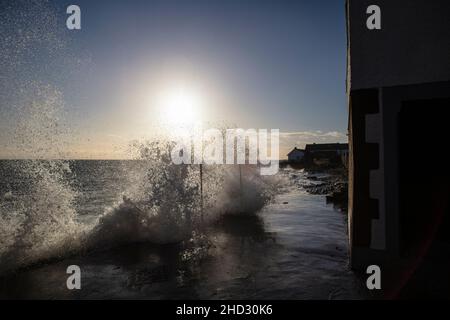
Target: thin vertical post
240,187
201,191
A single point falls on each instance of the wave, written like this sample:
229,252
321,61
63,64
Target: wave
40,224
40,218
162,205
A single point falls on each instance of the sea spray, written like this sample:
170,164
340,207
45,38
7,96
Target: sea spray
37,213
162,204
40,222
40,219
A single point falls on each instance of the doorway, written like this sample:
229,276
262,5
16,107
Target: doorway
424,174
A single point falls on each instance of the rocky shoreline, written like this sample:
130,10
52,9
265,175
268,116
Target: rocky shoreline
332,183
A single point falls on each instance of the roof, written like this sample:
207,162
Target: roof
326,147
294,150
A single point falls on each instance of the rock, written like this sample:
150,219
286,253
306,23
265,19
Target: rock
334,186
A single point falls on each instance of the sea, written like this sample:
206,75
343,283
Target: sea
146,229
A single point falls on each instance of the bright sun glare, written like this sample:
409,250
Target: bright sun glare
180,106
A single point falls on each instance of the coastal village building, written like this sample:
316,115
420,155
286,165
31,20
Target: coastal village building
296,155
398,86
320,154
326,153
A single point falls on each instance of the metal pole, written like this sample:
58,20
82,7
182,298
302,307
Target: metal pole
201,191
240,186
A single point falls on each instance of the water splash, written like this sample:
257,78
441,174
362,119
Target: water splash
163,202
40,222
39,219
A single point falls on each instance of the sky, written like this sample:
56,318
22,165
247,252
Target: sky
248,63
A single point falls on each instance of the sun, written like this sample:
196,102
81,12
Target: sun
180,106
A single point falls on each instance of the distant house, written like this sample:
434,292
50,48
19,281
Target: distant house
296,155
326,154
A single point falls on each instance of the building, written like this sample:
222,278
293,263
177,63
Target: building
398,86
325,153
296,155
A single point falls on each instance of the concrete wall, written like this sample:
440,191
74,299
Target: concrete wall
408,59
413,45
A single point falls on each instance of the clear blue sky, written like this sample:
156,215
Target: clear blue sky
274,64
